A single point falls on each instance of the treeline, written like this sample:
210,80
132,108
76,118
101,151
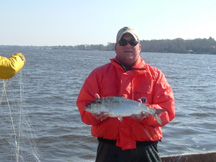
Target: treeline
101,47
201,46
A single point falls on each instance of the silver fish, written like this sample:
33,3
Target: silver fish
121,107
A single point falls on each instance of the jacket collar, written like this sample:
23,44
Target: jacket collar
140,64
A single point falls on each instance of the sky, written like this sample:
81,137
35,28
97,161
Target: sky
75,22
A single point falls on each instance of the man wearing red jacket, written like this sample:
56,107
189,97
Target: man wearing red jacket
134,138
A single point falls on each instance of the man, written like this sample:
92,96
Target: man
134,138
10,67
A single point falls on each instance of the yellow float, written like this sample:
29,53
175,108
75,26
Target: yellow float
11,66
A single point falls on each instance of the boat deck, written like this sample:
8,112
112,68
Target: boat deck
195,157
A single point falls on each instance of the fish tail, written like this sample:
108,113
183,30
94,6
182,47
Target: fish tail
157,117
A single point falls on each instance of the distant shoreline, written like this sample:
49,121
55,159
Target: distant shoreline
195,46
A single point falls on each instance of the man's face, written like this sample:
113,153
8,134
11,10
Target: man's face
127,55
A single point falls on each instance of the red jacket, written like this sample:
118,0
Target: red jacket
142,81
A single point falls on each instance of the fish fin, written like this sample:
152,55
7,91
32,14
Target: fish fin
157,117
120,119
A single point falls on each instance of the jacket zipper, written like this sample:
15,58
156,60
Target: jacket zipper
120,65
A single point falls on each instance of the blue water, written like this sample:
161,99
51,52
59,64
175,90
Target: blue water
51,127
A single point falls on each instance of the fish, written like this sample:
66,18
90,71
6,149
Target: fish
115,106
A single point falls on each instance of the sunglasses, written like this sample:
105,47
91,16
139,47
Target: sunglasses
125,42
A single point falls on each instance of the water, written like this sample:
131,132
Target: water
51,125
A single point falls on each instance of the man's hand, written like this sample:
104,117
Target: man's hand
140,116
99,116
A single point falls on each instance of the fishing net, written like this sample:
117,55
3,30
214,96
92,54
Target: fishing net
17,137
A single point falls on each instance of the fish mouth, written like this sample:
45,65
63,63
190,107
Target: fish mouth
88,107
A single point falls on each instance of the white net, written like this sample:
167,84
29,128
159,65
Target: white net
17,138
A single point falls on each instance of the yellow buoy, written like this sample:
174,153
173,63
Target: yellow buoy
11,66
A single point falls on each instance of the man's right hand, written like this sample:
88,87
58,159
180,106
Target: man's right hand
99,116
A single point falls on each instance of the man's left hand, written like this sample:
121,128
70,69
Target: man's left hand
140,116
